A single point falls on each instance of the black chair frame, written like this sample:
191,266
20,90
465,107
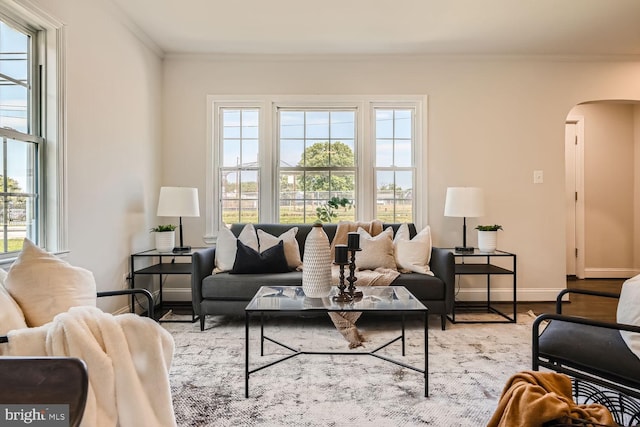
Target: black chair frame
592,382
132,292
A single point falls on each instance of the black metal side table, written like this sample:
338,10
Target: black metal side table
481,265
166,265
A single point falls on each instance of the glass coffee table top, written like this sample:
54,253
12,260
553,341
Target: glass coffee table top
375,298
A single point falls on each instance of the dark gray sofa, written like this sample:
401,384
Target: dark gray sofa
224,293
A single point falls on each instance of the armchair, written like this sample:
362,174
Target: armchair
594,353
45,381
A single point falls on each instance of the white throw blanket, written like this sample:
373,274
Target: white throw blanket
127,356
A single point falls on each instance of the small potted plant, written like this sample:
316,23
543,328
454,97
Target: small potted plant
488,237
165,237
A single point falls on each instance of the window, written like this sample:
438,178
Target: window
279,159
394,164
317,163
239,169
31,132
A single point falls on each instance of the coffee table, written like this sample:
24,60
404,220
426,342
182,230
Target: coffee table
383,300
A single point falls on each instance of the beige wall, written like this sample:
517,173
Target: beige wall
113,137
492,122
608,188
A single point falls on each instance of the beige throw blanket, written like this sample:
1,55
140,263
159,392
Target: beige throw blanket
345,321
127,356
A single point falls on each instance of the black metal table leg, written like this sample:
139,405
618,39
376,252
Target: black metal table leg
246,354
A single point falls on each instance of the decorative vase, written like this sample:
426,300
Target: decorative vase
487,241
165,241
316,270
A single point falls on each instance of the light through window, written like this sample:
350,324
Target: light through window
19,151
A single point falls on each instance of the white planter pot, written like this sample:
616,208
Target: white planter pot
487,241
165,241
316,270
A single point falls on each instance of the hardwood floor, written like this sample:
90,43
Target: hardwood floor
582,305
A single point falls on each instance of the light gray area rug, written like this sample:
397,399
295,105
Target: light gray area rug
469,365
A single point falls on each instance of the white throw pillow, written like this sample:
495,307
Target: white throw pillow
291,247
11,316
226,246
629,312
377,251
413,255
44,285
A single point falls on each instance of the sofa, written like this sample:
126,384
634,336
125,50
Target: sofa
224,293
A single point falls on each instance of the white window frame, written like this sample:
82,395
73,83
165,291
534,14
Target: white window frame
268,151
50,43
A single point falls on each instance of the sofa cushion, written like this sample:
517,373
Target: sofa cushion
250,261
11,316
243,287
377,251
291,247
226,246
413,255
44,285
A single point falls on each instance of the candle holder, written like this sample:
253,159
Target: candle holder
355,295
342,295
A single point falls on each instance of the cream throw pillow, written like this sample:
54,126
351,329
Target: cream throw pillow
44,285
377,251
291,247
11,316
629,312
413,255
226,246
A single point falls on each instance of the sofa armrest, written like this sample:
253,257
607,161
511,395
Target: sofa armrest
442,265
202,266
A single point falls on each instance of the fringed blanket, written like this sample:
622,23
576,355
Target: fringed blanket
345,322
127,357
534,398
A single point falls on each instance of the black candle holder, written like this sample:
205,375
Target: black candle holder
342,295
355,295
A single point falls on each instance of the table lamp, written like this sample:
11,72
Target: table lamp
465,202
179,201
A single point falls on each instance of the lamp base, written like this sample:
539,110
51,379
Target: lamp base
180,249
460,249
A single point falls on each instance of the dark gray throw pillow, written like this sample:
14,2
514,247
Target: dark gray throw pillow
250,261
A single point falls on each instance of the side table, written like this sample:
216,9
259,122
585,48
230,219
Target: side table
166,265
481,265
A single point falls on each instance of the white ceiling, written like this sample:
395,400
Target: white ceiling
494,27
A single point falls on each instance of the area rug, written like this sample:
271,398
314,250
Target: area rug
469,365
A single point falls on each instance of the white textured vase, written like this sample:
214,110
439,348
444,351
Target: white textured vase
165,241
487,241
316,270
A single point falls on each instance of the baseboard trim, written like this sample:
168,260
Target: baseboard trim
609,273
177,294
498,295
506,295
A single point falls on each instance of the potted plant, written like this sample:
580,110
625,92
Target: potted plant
165,237
327,212
488,237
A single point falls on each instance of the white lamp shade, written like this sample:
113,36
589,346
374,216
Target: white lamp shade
178,201
464,202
